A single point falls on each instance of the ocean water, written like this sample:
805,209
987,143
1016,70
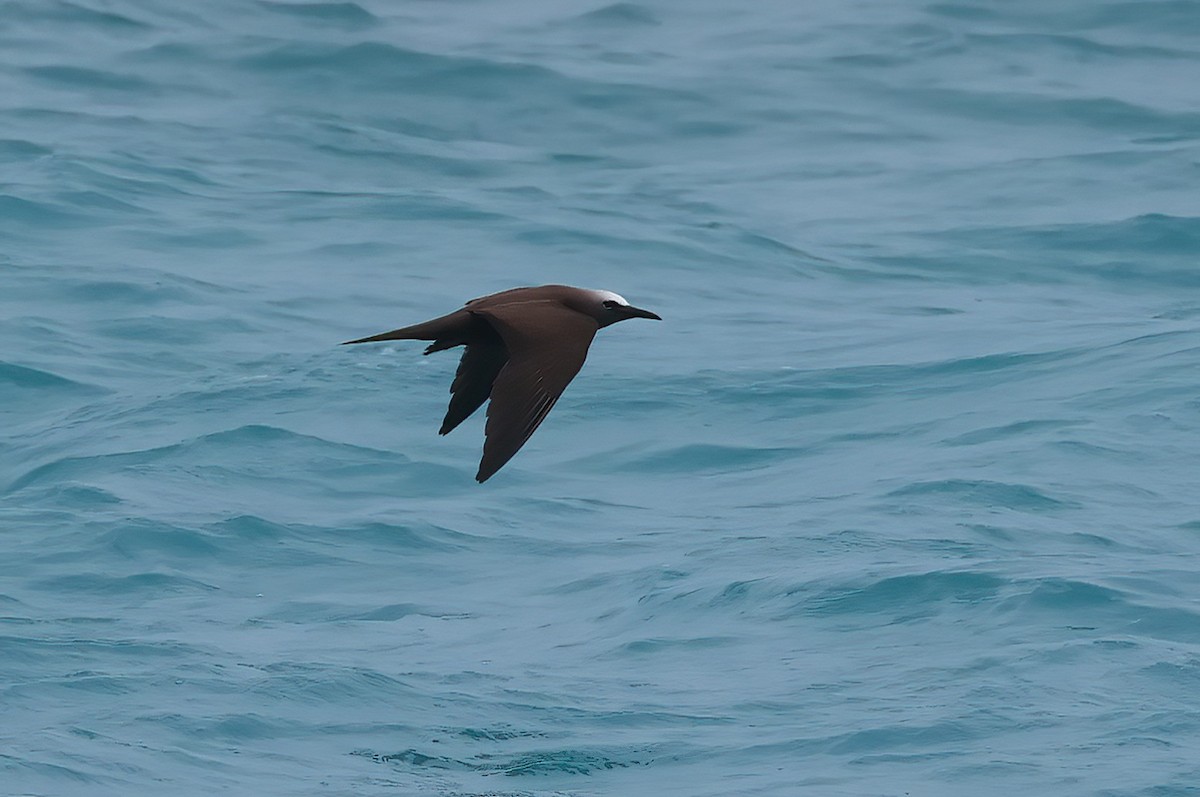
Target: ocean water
901,498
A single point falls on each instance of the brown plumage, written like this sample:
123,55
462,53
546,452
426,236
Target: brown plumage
523,347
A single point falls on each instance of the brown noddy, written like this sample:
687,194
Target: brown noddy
524,346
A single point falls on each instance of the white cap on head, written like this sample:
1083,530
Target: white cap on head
609,296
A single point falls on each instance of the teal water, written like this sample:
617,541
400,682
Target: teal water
900,498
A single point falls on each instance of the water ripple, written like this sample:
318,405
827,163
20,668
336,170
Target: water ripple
899,497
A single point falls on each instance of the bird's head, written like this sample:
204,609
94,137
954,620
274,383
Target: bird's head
609,308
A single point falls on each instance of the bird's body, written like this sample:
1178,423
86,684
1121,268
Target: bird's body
523,347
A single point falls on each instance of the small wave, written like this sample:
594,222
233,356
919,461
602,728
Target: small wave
50,773
659,644
1060,593
220,237
413,758
253,528
396,611
569,762
923,593
330,684
1151,233
307,612
1020,497
543,762
75,209
43,652
348,14
17,214
72,14
712,458
168,330
376,61
1184,675
1158,16
800,392
98,584
1090,607
496,734
392,206
619,14
19,377
1101,113
138,539
907,737
240,727
376,66
92,201
78,497
1007,431
1070,46
1150,250
210,447
91,79
140,294
18,149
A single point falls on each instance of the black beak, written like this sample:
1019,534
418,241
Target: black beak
637,312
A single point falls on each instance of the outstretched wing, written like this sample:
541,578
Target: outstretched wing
485,355
547,344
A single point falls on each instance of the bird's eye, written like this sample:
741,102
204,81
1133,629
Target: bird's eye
609,304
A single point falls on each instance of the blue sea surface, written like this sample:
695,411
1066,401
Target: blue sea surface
901,498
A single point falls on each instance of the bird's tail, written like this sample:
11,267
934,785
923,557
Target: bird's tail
447,331
404,333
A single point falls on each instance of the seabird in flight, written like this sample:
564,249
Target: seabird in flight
524,346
